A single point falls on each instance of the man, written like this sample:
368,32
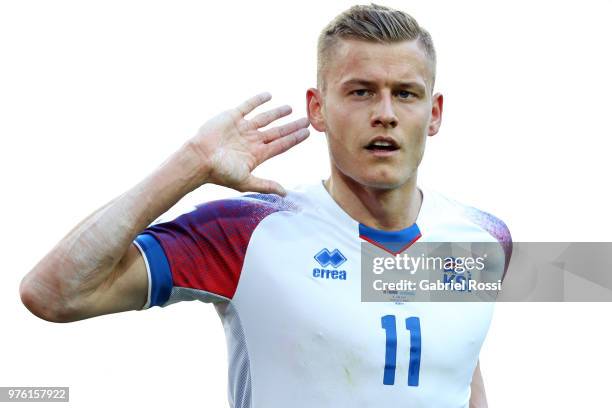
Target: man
283,269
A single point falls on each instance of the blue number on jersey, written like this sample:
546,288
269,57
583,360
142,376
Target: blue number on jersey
413,325
388,323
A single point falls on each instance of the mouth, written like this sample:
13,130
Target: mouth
382,145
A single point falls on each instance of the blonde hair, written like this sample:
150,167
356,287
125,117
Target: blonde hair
372,23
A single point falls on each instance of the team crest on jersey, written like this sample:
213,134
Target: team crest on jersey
454,273
327,259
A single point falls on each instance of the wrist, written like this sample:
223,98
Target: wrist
189,167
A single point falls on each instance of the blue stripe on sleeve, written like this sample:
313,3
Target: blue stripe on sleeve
161,277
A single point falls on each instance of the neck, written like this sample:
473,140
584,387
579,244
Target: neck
386,209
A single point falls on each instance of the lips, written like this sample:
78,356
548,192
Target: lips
382,143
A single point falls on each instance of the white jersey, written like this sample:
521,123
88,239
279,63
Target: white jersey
284,276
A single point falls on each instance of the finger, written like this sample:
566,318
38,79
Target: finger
265,118
284,130
285,143
247,106
262,186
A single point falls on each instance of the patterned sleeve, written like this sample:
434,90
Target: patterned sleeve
496,228
199,255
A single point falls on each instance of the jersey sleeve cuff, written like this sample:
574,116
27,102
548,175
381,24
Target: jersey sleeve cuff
158,270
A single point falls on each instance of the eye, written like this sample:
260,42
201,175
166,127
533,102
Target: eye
360,92
406,94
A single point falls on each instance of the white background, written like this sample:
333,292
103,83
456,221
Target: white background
95,95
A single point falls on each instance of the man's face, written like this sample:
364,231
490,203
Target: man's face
376,110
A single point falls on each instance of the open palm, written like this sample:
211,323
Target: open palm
233,146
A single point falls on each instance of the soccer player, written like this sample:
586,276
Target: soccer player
283,268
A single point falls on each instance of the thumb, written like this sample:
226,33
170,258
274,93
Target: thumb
264,186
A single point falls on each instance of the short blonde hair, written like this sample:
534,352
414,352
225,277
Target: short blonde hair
372,23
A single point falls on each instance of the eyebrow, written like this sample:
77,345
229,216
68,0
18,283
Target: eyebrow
365,82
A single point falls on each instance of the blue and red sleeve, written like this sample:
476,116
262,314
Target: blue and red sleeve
199,255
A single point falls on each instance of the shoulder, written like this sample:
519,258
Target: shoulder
247,210
246,207
485,220
469,215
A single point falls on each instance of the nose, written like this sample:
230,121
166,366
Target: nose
384,114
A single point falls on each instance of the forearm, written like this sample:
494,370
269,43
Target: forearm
478,397
95,270
86,257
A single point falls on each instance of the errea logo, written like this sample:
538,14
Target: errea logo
325,257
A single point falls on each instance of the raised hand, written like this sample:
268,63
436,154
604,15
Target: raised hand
231,146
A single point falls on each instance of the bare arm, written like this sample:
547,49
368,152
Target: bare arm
478,398
97,270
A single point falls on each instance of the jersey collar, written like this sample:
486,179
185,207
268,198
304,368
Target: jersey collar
391,241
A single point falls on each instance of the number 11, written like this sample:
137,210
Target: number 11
413,325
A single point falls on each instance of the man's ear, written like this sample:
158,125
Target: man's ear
436,114
314,107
